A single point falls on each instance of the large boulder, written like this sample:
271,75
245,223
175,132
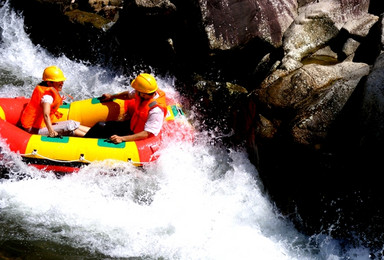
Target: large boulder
372,112
315,95
233,23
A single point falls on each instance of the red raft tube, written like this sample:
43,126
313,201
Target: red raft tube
68,154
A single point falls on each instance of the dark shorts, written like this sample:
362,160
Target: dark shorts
109,128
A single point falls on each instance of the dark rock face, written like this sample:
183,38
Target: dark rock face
315,94
50,27
299,82
234,23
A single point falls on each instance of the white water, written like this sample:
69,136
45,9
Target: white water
195,202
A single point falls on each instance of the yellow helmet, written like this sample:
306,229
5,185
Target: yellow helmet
53,73
145,83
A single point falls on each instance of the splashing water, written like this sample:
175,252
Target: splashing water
187,205
196,201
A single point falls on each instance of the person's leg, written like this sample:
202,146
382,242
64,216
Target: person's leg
122,128
81,131
99,130
62,128
42,131
109,128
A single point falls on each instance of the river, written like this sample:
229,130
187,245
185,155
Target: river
197,201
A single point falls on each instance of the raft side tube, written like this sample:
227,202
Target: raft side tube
77,149
16,138
12,108
90,111
2,114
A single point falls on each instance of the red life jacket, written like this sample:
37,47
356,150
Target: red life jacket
33,113
142,108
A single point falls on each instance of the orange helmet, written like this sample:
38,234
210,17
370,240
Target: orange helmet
145,83
53,73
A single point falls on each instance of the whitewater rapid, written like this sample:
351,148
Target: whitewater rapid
197,201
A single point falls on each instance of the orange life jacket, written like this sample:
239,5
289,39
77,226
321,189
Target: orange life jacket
142,108
33,113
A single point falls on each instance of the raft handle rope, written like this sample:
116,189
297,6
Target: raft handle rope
35,153
138,163
81,159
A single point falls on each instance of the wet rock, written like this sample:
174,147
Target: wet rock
372,112
314,95
84,18
320,22
233,23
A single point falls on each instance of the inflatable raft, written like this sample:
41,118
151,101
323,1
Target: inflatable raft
68,154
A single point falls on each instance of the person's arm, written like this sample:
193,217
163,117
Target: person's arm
152,127
47,119
155,121
139,136
123,95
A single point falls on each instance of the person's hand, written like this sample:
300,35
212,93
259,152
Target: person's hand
116,139
53,133
106,97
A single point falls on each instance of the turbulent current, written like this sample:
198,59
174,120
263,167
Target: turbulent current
197,201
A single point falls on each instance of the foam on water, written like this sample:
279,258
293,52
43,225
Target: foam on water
187,205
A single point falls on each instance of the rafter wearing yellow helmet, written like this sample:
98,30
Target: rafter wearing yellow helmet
147,113
145,83
53,73
41,115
